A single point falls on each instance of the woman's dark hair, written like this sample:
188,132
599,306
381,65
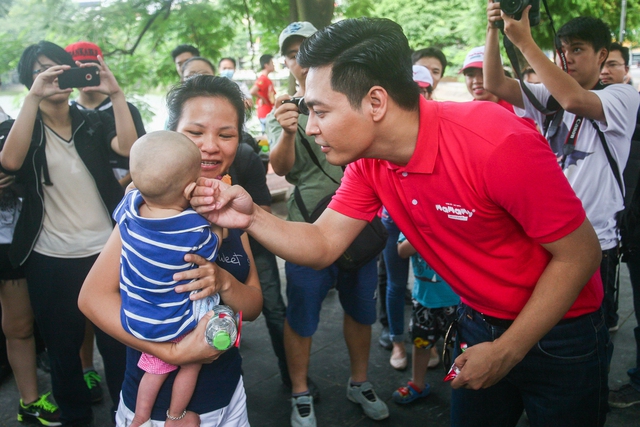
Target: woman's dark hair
430,52
363,53
204,86
197,58
30,57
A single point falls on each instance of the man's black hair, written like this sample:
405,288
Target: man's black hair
430,52
624,51
235,64
30,57
184,48
208,87
197,58
363,53
264,60
587,29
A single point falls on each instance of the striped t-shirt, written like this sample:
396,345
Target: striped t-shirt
153,250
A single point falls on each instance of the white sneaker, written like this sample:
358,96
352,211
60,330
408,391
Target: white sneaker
364,394
302,413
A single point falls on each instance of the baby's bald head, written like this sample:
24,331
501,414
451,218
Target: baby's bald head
163,164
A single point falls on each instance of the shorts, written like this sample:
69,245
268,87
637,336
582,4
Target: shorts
7,272
428,325
307,288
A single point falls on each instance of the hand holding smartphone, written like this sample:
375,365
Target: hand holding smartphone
79,77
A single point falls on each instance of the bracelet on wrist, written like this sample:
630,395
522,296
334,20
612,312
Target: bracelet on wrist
176,418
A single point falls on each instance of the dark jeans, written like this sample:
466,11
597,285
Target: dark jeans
54,285
382,291
561,382
633,263
273,306
609,274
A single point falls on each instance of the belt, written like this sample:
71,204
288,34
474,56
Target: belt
505,323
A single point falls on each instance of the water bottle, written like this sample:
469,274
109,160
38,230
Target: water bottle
222,328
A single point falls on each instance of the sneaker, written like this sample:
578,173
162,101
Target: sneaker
408,394
302,413
614,328
385,339
625,396
92,378
314,391
434,359
364,394
42,412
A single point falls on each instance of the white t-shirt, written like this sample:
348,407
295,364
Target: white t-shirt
587,168
76,222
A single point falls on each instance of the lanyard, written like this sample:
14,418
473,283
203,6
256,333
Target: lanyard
570,142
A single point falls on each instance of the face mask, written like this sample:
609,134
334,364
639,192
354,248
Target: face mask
228,73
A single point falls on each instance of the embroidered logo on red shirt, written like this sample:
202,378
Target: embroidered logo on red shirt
456,212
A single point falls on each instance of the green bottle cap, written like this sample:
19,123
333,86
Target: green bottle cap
264,148
221,341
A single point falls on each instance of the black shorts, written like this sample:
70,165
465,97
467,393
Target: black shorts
428,325
7,272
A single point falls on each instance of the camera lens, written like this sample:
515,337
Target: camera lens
302,107
513,7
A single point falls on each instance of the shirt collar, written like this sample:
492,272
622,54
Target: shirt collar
424,156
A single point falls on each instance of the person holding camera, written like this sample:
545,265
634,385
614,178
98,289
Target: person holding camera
60,155
295,155
589,127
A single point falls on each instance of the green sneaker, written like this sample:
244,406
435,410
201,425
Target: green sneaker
93,379
42,412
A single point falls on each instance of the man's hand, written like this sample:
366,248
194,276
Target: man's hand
519,32
494,14
483,365
287,114
224,205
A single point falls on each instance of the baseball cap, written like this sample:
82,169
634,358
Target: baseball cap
474,58
84,51
302,29
422,76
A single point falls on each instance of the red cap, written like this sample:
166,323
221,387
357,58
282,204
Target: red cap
84,51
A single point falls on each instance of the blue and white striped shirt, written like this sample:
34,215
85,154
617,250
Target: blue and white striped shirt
153,251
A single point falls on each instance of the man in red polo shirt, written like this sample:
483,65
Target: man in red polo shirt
479,194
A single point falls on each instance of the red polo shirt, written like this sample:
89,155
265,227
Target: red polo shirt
480,194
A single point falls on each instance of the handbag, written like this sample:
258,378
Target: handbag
366,246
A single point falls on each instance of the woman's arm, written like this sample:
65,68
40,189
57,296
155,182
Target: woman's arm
19,139
125,128
405,250
211,278
100,301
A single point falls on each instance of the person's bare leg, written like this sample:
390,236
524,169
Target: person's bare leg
358,339
298,350
17,324
183,388
86,351
419,363
147,393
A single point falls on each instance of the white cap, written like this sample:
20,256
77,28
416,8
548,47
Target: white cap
302,29
474,58
422,76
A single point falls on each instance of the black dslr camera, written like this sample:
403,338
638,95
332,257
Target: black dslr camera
299,101
516,7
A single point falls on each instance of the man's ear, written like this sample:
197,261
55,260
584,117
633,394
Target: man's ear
188,190
602,56
377,101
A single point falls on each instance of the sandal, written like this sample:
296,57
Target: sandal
408,394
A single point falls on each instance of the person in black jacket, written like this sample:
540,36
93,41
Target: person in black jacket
60,155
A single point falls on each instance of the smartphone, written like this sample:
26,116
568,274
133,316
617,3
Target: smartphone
79,77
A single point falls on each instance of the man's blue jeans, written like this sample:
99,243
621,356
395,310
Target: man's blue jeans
633,262
561,382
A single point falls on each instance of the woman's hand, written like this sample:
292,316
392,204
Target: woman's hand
194,348
191,419
208,278
46,83
108,83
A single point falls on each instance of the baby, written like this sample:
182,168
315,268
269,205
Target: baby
158,228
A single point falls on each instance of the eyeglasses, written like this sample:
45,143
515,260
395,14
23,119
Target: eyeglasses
613,64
